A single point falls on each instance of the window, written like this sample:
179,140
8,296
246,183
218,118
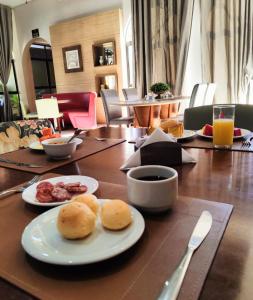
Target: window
13,92
43,69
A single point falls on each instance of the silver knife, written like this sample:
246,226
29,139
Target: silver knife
21,164
172,286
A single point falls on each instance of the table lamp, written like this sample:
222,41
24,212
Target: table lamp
48,109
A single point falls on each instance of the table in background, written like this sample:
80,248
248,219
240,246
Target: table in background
222,176
149,112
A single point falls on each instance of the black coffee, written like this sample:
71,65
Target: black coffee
152,178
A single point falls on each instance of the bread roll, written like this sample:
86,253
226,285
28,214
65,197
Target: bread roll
75,220
174,127
88,199
115,215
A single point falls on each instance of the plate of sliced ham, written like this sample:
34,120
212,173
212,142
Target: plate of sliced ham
58,190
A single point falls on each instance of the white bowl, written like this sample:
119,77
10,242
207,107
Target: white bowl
59,151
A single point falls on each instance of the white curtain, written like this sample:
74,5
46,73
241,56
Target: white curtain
161,30
227,47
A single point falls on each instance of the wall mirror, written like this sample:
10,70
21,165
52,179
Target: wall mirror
106,81
104,54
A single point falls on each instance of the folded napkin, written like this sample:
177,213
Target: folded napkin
157,136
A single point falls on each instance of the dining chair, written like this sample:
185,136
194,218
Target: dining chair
130,94
249,96
198,95
196,117
25,114
210,91
113,113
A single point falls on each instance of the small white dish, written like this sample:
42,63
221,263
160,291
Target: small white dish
42,241
188,134
244,132
29,194
150,194
38,146
62,150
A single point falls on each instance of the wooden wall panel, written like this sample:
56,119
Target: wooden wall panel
86,31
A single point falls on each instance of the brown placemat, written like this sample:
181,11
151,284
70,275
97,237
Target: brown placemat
204,143
88,147
138,273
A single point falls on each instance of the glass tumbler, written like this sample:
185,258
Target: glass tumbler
223,125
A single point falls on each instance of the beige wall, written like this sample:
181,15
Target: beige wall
86,31
42,14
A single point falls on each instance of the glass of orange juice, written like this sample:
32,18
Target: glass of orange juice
223,125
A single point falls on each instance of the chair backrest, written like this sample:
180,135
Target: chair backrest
111,111
130,94
244,116
74,100
211,88
250,93
198,95
196,117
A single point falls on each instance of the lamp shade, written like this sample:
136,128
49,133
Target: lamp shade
47,108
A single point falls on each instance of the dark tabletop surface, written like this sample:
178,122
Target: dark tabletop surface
222,176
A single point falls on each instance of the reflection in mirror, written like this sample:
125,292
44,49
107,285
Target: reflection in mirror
104,54
107,81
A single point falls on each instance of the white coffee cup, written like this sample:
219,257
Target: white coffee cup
155,195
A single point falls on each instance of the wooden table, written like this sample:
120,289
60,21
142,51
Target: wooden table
149,112
218,176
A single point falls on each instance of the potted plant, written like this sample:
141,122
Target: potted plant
159,88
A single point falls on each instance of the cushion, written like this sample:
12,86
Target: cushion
19,134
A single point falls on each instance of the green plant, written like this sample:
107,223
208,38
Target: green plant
159,87
14,100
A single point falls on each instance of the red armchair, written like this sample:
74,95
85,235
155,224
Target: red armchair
79,109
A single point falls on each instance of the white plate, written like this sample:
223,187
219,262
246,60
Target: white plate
42,240
29,194
244,132
188,134
38,146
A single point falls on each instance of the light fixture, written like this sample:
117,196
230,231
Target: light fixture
47,108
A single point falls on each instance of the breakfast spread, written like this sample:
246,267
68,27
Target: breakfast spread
48,192
173,127
76,220
208,130
57,143
47,133
170,126
115,215
88,199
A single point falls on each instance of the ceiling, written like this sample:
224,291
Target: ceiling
13,3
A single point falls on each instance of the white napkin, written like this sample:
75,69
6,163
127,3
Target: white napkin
157,136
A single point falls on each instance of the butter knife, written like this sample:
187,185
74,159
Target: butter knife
20,164
172,286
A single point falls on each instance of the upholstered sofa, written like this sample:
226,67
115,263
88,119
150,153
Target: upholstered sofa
19,134
79,109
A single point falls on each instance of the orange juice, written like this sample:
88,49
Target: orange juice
223,132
